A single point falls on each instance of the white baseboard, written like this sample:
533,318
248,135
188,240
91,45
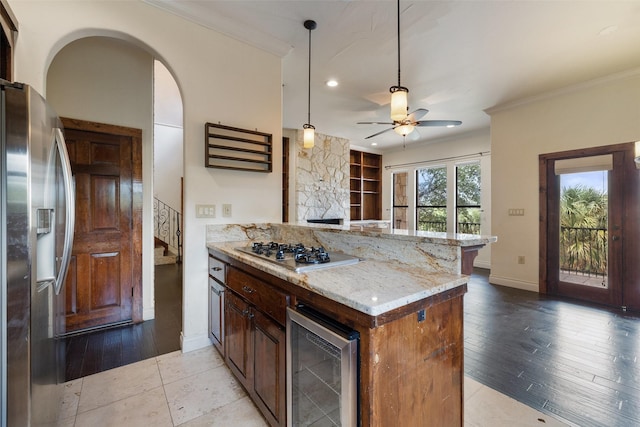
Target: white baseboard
148,314
513,283
482,264
194,343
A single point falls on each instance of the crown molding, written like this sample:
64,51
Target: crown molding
634,72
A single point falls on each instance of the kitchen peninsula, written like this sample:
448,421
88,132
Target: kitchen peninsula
404,298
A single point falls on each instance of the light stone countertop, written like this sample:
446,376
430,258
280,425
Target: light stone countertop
370,286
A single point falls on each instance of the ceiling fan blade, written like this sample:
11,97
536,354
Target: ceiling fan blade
414,136
375,123
439,123
417,115
378,133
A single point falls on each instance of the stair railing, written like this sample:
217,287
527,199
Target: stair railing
167,224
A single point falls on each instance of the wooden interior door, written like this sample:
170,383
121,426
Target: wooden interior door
104,282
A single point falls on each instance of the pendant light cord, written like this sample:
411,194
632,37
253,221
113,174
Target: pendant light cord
309,82
399,85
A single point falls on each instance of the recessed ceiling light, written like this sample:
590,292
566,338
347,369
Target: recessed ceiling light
374,143
332,83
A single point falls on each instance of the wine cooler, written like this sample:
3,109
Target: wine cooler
322,370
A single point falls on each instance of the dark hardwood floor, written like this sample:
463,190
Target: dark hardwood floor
577,361
98,351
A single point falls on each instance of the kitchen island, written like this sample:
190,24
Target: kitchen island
404,298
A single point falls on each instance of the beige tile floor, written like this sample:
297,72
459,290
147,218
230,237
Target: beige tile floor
197,389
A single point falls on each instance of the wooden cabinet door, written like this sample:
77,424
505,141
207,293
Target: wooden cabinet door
238,339
105,272
269,384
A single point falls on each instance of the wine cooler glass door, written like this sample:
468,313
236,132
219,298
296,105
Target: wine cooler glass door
322,359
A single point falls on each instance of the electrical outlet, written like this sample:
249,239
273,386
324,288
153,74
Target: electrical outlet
520,259
205,211
226,210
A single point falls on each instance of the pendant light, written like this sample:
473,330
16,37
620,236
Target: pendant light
308,128
399,101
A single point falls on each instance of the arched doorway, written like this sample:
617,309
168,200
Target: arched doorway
109,80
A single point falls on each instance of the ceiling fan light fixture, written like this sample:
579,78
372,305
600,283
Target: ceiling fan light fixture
308,139
399,103
404,129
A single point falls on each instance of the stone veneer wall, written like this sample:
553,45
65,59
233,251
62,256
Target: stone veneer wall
322,178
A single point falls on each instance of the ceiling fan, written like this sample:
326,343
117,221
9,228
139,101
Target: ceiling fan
405,126
403,123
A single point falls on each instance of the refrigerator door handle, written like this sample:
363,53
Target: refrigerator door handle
70,209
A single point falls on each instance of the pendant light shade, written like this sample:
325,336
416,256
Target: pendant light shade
308,136
399,103
308,128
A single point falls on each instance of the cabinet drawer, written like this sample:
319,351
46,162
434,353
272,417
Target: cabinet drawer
264,296
217,269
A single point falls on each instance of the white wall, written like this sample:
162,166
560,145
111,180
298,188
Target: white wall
168,137
167,161
220,79
448,151
107,80
600,113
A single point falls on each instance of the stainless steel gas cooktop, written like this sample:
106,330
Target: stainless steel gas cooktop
298,257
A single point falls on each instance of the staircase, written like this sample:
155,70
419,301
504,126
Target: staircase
162,254
167,234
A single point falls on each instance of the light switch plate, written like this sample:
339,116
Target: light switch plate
205,211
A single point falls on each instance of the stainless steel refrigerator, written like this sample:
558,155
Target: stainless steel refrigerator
36,234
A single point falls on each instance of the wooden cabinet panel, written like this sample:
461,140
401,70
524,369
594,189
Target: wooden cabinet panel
269,383
238,339
417,375
259,293
255,341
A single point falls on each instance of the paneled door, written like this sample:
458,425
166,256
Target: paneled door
104,282
589,225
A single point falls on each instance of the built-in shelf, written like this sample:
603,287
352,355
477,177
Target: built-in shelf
365,185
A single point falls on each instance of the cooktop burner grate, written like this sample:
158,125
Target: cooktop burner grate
298,257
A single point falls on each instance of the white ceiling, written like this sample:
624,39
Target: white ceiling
458,58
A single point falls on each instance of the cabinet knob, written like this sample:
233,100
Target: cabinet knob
248,289
217,268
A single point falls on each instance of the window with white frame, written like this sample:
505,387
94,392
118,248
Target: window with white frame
431,199
447,198
400,201
468,205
